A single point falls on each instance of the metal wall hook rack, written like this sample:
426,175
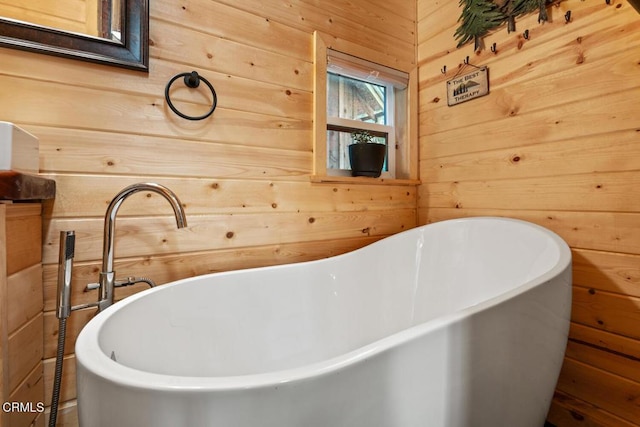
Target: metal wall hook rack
191,80
466,61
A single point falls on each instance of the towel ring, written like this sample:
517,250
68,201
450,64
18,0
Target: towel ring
191,80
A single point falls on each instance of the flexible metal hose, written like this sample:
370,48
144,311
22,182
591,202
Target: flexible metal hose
57,379
146,280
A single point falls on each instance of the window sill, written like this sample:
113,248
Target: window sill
363,180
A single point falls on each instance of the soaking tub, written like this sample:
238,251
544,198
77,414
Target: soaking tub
457,323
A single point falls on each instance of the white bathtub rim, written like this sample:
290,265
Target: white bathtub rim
90,354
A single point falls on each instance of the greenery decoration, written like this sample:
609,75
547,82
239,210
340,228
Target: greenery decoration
362,137
515,8
478,17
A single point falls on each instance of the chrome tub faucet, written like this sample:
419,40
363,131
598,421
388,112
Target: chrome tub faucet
107,280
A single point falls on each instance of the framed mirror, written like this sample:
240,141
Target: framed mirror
119,36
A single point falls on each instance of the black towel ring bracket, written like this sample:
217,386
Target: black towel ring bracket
191,80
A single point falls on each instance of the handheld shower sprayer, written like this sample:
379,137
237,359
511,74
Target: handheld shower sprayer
65,266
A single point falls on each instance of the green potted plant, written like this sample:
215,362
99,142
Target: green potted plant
366,155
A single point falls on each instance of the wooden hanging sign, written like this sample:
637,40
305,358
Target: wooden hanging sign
468,87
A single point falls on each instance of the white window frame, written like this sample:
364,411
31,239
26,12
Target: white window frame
388,129
369,72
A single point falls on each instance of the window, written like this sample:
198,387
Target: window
353,94
362,95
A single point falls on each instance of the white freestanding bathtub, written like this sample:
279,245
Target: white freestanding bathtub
457,323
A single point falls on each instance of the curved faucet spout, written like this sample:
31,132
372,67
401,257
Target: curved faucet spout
107,276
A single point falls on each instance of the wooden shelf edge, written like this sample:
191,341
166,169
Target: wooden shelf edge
19,186
362,180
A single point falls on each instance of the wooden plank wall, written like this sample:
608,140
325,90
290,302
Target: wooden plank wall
242,175
21,324
556,142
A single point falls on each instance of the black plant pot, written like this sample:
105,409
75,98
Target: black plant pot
367,159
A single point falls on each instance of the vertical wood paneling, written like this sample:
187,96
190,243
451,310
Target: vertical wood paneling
30,390
25,350
243,175
556,143
24,234
21,310
4,306
24,293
